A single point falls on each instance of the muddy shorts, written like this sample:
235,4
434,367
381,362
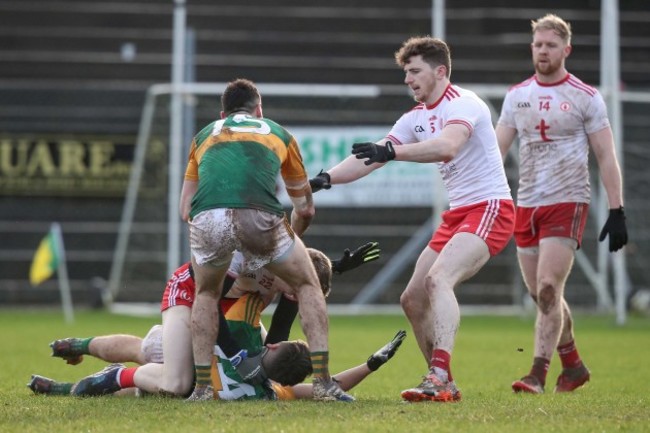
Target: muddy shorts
261,237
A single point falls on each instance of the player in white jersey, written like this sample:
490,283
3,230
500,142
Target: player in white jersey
557,117
451,127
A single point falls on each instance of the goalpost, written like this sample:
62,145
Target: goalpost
176,157
178,90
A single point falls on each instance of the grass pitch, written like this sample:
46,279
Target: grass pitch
490,353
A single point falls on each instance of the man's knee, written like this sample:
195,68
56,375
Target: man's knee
178,386
547,296
413,302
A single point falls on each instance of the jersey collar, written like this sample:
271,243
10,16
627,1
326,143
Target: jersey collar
435,104
557,83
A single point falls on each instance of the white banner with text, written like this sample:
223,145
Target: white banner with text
397,184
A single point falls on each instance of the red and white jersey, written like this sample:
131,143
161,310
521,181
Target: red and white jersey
476,173
552,122
259,281
180,289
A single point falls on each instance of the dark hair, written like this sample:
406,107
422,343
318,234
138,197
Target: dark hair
240,95
434,51
291,364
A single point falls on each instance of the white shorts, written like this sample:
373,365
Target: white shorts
152,347
260,236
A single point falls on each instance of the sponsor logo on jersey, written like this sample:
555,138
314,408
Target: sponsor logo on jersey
541,148
523,104
419,128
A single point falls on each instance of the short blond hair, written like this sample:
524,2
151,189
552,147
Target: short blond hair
323,267
555,23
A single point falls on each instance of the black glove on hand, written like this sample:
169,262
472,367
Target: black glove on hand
382,356
321,181
616,228
374,152
250,367
350,260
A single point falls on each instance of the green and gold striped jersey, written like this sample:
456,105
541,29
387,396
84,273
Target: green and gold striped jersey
236,162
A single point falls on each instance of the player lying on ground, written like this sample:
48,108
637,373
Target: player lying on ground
286,363
174,375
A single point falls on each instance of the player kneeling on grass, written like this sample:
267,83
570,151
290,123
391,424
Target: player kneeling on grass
286,364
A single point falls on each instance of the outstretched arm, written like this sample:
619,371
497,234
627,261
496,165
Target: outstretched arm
350,260
283,317
346,171
287,309
350,378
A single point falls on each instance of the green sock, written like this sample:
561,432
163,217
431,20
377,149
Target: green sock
84,345
319,362
60,388
202,375
80,345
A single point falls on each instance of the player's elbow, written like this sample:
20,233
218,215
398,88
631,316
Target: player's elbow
306,213
185,216
303,206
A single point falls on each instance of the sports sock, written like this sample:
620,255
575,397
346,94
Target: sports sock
60,388
202,375
569,355
81,345
540,369
125,377
441,359
320,361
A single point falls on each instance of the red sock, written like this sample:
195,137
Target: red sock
126,377
442,359
540,368
569,355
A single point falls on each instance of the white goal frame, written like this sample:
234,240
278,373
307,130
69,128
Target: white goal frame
610,78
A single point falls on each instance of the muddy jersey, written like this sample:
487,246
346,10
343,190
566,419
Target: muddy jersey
244,324
553,122
181,287
236,162
259,281
476,173
230,385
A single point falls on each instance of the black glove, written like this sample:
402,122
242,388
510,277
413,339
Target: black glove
374,152
382,356
350,260
321,181
250,367
616,228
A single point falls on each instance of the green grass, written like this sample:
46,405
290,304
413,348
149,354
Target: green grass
486,360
